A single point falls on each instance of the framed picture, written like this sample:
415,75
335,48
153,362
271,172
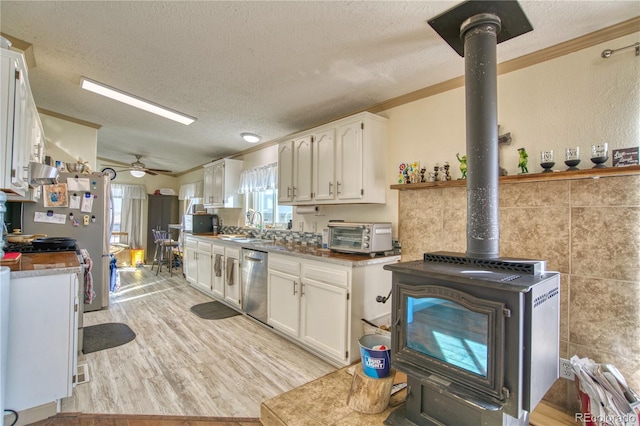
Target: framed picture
625,157
55,195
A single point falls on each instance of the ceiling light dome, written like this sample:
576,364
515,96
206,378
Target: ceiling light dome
137,173
250,137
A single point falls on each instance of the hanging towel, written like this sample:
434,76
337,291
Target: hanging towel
89,294
230,271
217,265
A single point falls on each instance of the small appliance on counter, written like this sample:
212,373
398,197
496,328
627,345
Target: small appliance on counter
201,223
359,237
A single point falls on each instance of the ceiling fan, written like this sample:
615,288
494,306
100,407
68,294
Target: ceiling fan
137,169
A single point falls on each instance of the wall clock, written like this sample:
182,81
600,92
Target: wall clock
109,172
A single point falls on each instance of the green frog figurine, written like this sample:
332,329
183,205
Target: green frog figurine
463,165
522,163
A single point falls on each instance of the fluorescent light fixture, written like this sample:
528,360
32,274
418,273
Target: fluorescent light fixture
137,173
250,137
118,95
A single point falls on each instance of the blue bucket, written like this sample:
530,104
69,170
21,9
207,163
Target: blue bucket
375,363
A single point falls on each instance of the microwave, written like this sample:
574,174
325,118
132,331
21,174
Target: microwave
200,223
352,237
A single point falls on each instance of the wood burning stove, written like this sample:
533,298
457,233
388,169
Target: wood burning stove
477,338
477,335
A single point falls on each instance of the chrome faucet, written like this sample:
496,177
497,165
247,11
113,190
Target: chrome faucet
252,218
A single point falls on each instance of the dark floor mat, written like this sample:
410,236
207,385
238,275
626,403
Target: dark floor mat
105,336
213,310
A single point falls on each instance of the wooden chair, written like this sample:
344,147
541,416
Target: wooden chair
165,246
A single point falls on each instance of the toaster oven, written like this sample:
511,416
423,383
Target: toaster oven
352,237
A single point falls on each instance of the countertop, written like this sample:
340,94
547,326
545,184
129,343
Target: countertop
306,251
42,264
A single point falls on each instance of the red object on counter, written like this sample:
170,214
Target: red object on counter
10,258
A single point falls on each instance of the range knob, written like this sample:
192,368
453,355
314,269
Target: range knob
365,245
366,238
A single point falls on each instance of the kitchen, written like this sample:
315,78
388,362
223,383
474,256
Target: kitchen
410,140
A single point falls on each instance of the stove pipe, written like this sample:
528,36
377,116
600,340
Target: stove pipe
480,34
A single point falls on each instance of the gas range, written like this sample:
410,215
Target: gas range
29,248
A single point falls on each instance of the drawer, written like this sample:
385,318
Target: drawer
333,275
191,243
205,247
232,252
218,250
285,265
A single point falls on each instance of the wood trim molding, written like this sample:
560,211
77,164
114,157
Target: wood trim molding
531,177
616,31
68,118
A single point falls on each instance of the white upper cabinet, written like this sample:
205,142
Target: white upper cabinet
302,160
342,162
22,138
285,172
324,158
221,179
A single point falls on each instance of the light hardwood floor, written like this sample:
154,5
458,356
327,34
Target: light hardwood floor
179,364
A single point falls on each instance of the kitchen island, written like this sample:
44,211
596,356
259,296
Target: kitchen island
316,298
43,333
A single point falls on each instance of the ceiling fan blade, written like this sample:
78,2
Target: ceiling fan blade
160,170
152,173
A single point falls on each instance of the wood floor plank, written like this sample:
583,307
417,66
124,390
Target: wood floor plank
182,365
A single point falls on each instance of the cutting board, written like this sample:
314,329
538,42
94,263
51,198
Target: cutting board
10,258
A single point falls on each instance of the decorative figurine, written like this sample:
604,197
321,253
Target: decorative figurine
504,139
436,168
422,172
522,163
445,170
463,165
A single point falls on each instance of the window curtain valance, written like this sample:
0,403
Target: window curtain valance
131,192
191,190
259,179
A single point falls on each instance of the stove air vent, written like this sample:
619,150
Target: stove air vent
528,267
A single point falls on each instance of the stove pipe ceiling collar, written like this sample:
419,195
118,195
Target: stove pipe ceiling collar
473,29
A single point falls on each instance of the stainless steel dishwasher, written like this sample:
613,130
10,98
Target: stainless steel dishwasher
254,283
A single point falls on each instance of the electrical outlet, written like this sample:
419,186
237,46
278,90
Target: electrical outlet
566,370
301,226
314,227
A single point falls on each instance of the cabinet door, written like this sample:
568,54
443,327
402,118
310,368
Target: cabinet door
324,159
324,318
349,162
284,302
217,281
204,261
191,265
20,155
285,172
232,284
218,184
41,353
208,185
302,164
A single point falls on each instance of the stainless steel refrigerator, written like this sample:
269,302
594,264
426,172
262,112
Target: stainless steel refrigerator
84,213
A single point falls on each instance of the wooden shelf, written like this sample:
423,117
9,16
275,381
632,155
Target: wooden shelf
531,177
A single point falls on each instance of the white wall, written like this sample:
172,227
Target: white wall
579,99
67,141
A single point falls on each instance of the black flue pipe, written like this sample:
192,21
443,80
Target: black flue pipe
480,40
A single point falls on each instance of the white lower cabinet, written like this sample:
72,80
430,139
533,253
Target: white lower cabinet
232,284
198,264
217,276
43,340
308,301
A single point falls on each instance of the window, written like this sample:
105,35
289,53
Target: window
266,203
261,197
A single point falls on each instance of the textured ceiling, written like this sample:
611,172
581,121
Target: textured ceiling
273,68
